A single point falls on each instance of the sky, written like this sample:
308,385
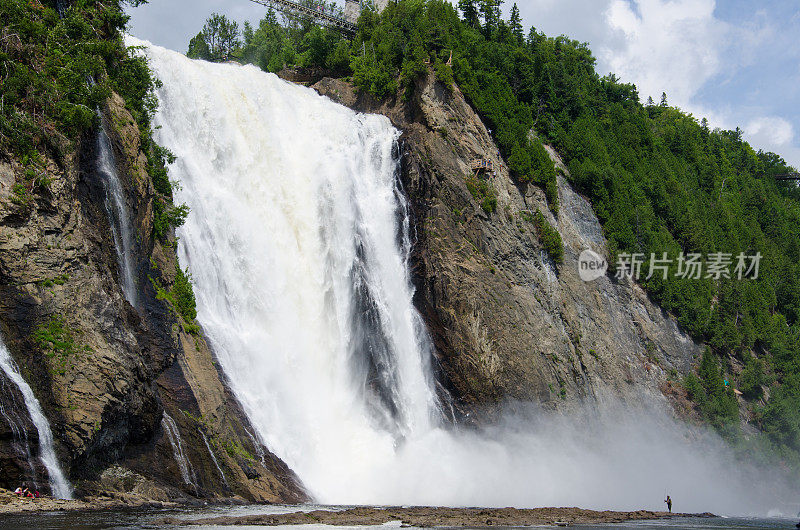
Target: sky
735,62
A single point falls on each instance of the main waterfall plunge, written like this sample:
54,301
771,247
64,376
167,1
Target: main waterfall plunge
297,243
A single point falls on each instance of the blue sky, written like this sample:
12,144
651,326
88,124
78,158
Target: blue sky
735,62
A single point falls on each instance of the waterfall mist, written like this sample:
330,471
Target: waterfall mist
297,242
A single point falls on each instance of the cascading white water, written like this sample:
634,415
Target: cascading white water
297,244
118,214
301,283
11,415
213,457
184,465
58,482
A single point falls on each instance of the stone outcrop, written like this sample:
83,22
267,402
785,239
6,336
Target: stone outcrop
509,323
104,371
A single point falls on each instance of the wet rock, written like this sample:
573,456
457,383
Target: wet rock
103,370
508,323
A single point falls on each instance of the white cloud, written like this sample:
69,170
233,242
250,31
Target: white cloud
776,134
771,129
667,46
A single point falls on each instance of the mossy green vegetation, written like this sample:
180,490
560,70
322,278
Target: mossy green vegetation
548,235
482,192
57,341
236,450
180,298
183,295
166,216
46,100
57,70
51,282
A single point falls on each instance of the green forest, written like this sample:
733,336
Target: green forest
660,180
58,70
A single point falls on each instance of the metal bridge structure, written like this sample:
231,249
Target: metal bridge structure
787,176
345,24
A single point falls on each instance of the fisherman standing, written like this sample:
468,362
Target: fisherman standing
669,503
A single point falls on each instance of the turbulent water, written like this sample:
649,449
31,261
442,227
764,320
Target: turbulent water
297,242
118,215
58,481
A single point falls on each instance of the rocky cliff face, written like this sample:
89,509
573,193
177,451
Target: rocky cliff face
509,323
107,373
137,404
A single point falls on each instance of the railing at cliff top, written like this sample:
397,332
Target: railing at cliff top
318,14
787,176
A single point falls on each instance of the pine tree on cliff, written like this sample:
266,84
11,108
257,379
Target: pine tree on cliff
515,22
221,35
470,12
198,48
490,11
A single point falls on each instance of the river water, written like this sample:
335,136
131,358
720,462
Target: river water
149,518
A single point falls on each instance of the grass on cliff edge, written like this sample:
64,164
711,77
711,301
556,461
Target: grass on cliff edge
56,71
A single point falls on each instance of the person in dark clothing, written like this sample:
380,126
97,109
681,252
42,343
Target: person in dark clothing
669,504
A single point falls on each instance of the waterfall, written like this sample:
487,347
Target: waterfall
260,453
19,433
213,457
184,465
47,453
298,244
118,214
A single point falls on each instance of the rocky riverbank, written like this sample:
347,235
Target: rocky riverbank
422,517
12,504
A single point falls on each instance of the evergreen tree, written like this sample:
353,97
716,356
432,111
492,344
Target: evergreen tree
515,23
664,100
470,12
490,11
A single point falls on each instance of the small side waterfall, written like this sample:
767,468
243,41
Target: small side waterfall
118,215
58,481
213,457
260,453
13,418
174,435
